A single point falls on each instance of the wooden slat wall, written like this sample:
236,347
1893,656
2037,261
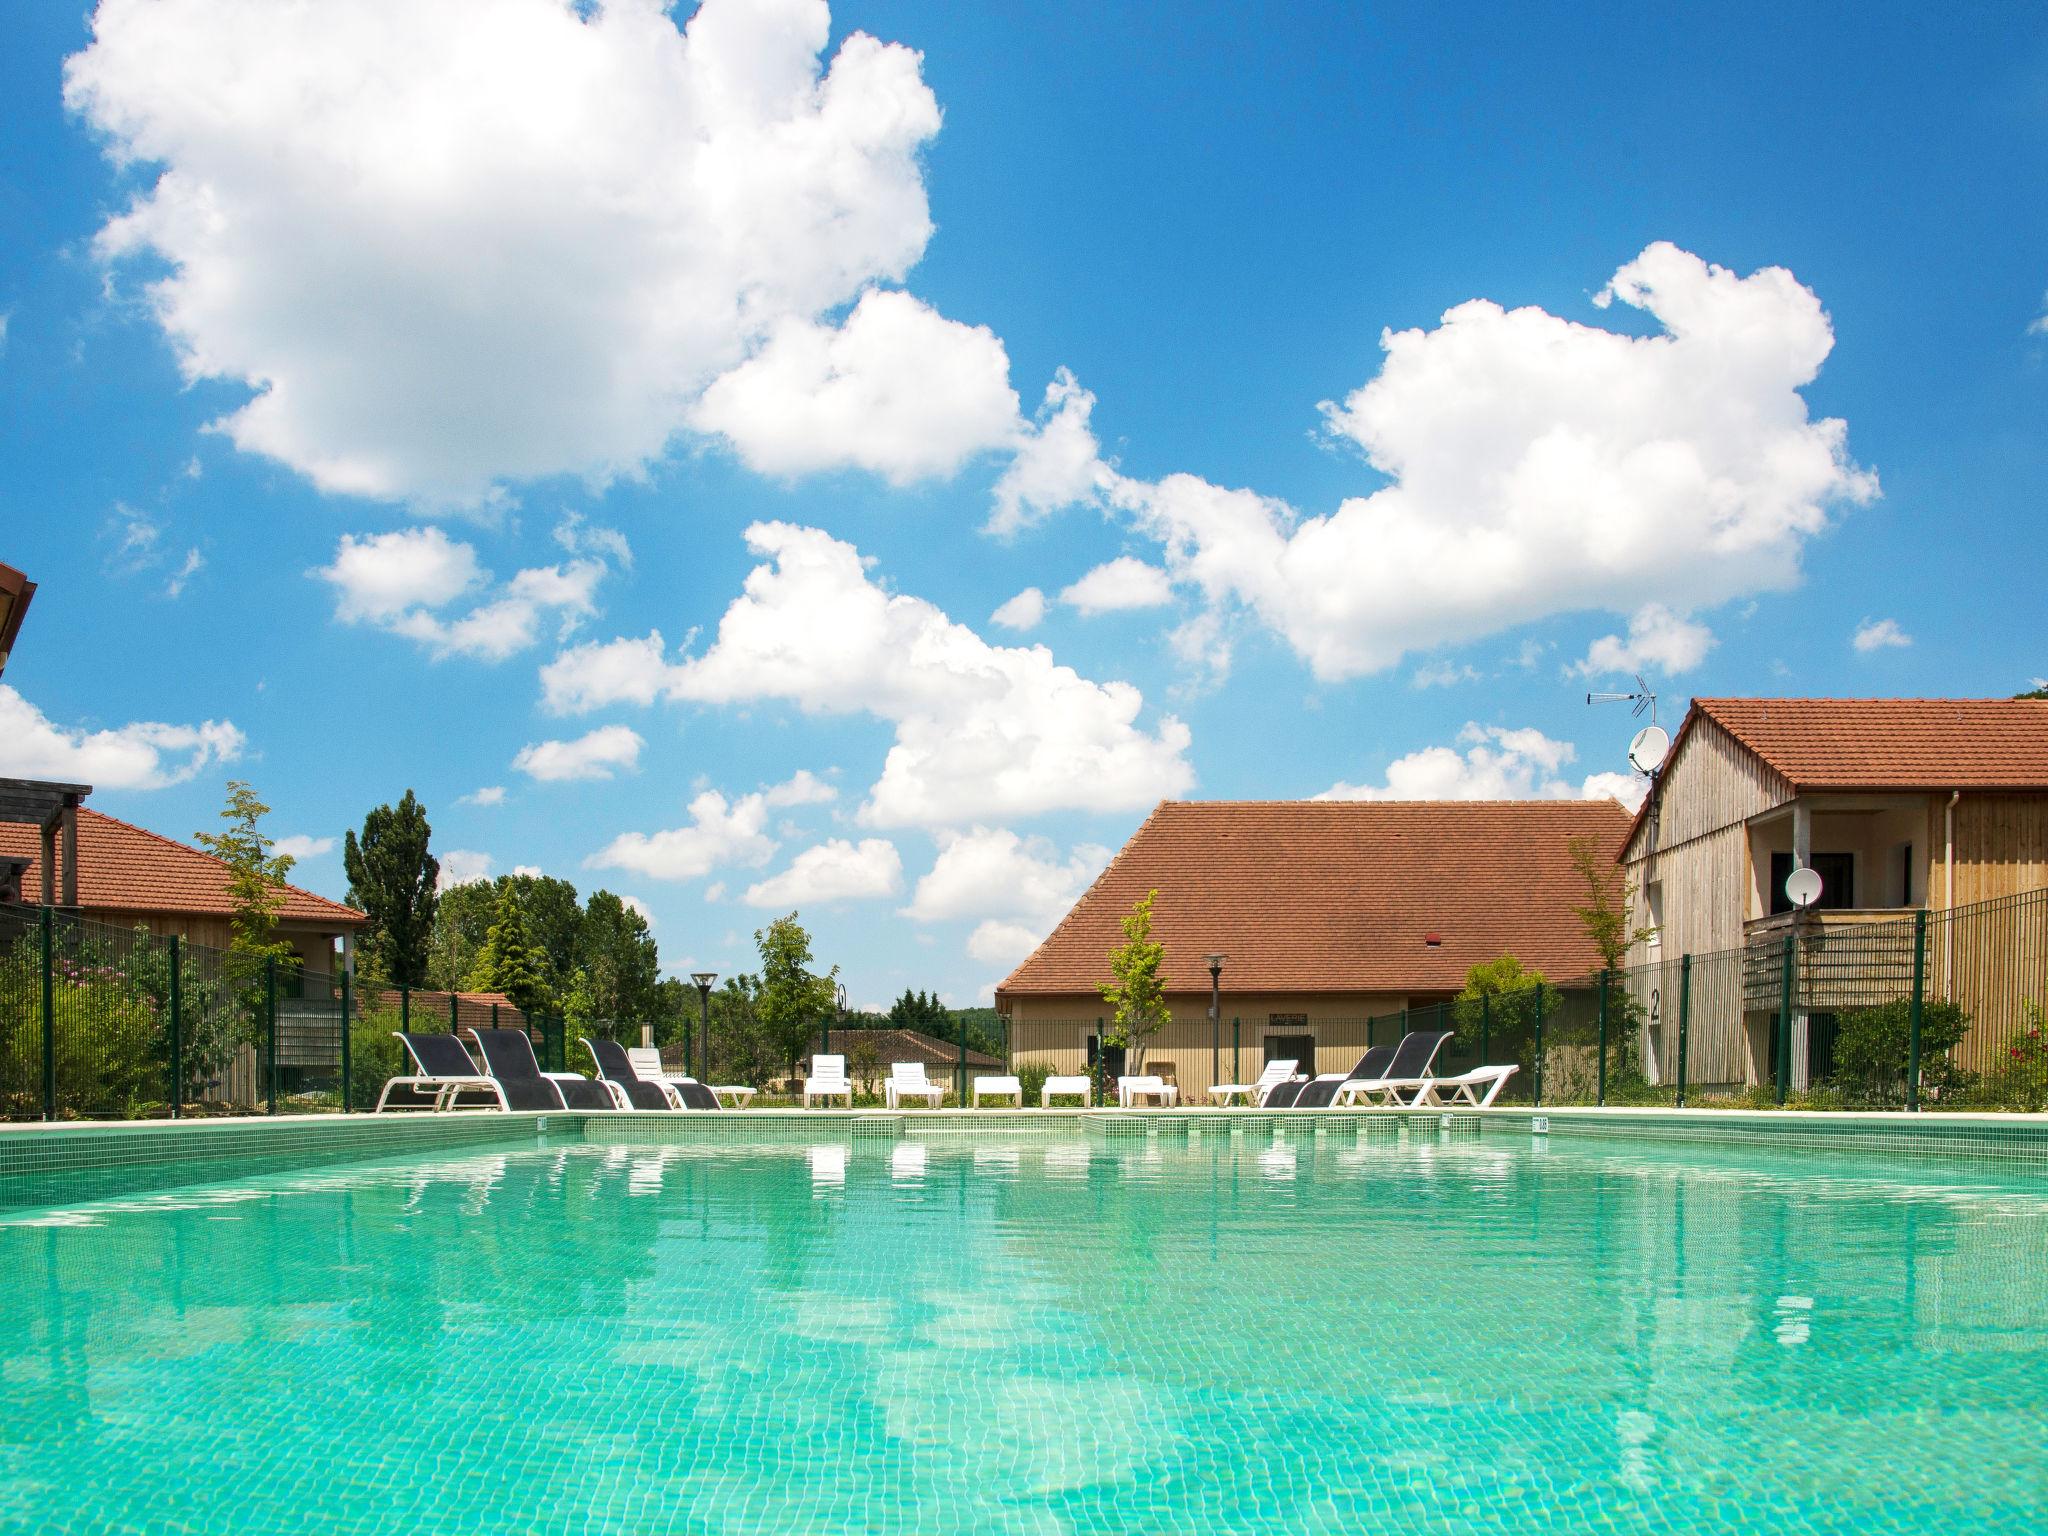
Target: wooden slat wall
1713,782
2001,848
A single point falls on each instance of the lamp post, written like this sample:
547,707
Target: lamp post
1215,1014
704,980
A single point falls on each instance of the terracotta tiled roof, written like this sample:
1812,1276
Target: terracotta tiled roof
1329,895
124,868
1892,743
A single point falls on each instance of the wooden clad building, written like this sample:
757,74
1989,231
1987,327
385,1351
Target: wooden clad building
1328,912
1898,804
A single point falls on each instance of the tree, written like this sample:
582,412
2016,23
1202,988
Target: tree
392,877
1499,1003
462,924
617,961
1605,912
510,962
1137,994
791,1000
254,877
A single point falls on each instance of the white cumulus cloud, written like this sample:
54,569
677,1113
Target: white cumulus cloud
994,872
835,870
144,755
1119,584
594,756
1658,640
448,246
462,866
801,788
1057,464
981,731
995,942
1878,635
897,389
718,833
1537,466
1022,612
1491,762
302,846
399,580
490,794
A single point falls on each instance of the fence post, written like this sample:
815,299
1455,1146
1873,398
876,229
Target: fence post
270,1032
1790,959
454,1014
49,1018
1601,1096
1684,1019
1101,1064
177,1026
347,1081
1536,1089
960,1072
1236,1072
1485,1029
494,1015
405,1009
1919,1005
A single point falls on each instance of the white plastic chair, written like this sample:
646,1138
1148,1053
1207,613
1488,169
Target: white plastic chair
907,1081
1254,1093
828,1081
1062,1087
646,1061
1130,1089
999,1087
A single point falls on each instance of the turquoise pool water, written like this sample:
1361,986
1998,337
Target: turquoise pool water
1043,1334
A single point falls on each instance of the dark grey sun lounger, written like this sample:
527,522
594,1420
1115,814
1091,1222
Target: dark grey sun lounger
616,1068
442,1071
1408,1071
510,1064
1322,1092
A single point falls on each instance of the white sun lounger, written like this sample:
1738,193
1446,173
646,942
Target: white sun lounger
1478,1088
1254,1093
907,1081
1064,1087
828,1081
999,1088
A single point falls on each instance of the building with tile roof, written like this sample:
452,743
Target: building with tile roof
128,876
1898,805
1328,912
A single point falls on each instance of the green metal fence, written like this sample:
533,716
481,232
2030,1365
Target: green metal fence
99,1021
1926,1009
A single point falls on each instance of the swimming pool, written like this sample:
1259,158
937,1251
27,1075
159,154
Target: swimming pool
1036,1332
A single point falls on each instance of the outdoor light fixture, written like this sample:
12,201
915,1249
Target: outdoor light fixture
1215,1014
15,592
703,980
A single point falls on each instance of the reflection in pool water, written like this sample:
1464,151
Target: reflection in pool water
1042,1333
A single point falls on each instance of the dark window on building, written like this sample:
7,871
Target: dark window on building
1300,1049
1837,873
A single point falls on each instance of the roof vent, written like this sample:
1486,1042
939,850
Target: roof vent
1433,940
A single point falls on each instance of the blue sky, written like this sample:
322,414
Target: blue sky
378,379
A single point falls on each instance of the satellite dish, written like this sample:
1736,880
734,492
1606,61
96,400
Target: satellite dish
1802,887
1646,751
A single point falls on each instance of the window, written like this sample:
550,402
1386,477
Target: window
1299,1048
1905,874
1653,912
1837,873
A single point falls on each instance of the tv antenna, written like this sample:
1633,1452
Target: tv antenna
1642,699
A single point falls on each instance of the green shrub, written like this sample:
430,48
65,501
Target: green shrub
1031,1077
1873,1047
375,1056
2019,1078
